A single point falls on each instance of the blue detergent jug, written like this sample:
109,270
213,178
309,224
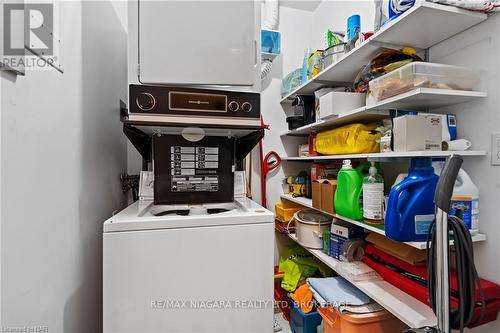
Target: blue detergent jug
410,208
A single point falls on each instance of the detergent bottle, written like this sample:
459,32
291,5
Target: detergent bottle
410,208
348,195
464,200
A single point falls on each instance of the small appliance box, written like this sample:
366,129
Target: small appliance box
336,102
340,232
414,133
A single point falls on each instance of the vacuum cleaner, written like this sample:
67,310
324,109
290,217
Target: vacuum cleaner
444,229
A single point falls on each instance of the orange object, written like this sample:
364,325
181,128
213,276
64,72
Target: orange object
375,322
312,145
304,298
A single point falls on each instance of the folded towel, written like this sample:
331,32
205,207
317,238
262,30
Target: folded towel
337,291
321,301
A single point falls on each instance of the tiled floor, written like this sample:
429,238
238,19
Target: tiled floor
283,322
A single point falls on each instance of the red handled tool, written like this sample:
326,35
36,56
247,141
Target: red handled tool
267,164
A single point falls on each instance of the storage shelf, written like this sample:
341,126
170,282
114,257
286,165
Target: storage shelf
359,115
417,99
424,25
373,228
405,307
425,98
391,155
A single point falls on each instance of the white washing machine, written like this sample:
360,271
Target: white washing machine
180,268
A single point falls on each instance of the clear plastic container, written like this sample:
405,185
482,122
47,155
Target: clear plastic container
423,75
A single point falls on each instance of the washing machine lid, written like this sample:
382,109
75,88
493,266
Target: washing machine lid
144,215
197,42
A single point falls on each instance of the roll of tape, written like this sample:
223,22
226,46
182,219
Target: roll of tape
353,250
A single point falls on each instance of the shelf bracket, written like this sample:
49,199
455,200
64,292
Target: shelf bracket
245,144
140,140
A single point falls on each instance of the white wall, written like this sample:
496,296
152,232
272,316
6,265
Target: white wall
62,151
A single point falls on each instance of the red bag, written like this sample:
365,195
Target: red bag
419,291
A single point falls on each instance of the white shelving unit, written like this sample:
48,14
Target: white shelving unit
424,25
425,98
405,307
419,245
417,99
359,115
383,156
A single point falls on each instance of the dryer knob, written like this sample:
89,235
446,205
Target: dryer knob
145,101
233,106
247,107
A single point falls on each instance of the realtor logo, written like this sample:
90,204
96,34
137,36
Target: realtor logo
28,25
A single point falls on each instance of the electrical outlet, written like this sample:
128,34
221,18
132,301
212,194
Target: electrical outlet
495,148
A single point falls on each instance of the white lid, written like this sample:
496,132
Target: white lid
346,164
373,170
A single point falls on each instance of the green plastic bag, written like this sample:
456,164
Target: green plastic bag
298,264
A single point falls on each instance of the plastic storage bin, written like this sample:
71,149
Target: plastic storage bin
349,139
285,210
422,75
375,322
301,322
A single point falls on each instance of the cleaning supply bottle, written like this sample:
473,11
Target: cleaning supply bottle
410,207
373,196
464,200
305,65
348,195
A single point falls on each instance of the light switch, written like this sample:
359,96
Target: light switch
495,148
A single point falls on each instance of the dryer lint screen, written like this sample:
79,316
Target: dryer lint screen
194,169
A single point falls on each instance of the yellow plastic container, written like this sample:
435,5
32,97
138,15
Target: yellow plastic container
285,210
349,139
375,322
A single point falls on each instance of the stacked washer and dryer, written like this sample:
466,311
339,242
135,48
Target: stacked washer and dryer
198,256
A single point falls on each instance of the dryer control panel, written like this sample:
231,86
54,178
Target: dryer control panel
191,102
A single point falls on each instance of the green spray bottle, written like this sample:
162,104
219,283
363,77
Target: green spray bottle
348,199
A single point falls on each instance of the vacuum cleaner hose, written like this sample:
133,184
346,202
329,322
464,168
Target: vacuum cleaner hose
467,277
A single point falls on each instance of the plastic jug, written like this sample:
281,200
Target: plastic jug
348,195
410,208
465,199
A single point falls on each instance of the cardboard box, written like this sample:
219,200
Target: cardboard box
325,170
323,191
341,231
316,193
336,102
399,250
415,133
328,187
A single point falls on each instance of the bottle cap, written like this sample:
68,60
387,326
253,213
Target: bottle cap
346,164
373,170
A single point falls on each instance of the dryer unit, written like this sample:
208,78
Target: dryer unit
195,43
